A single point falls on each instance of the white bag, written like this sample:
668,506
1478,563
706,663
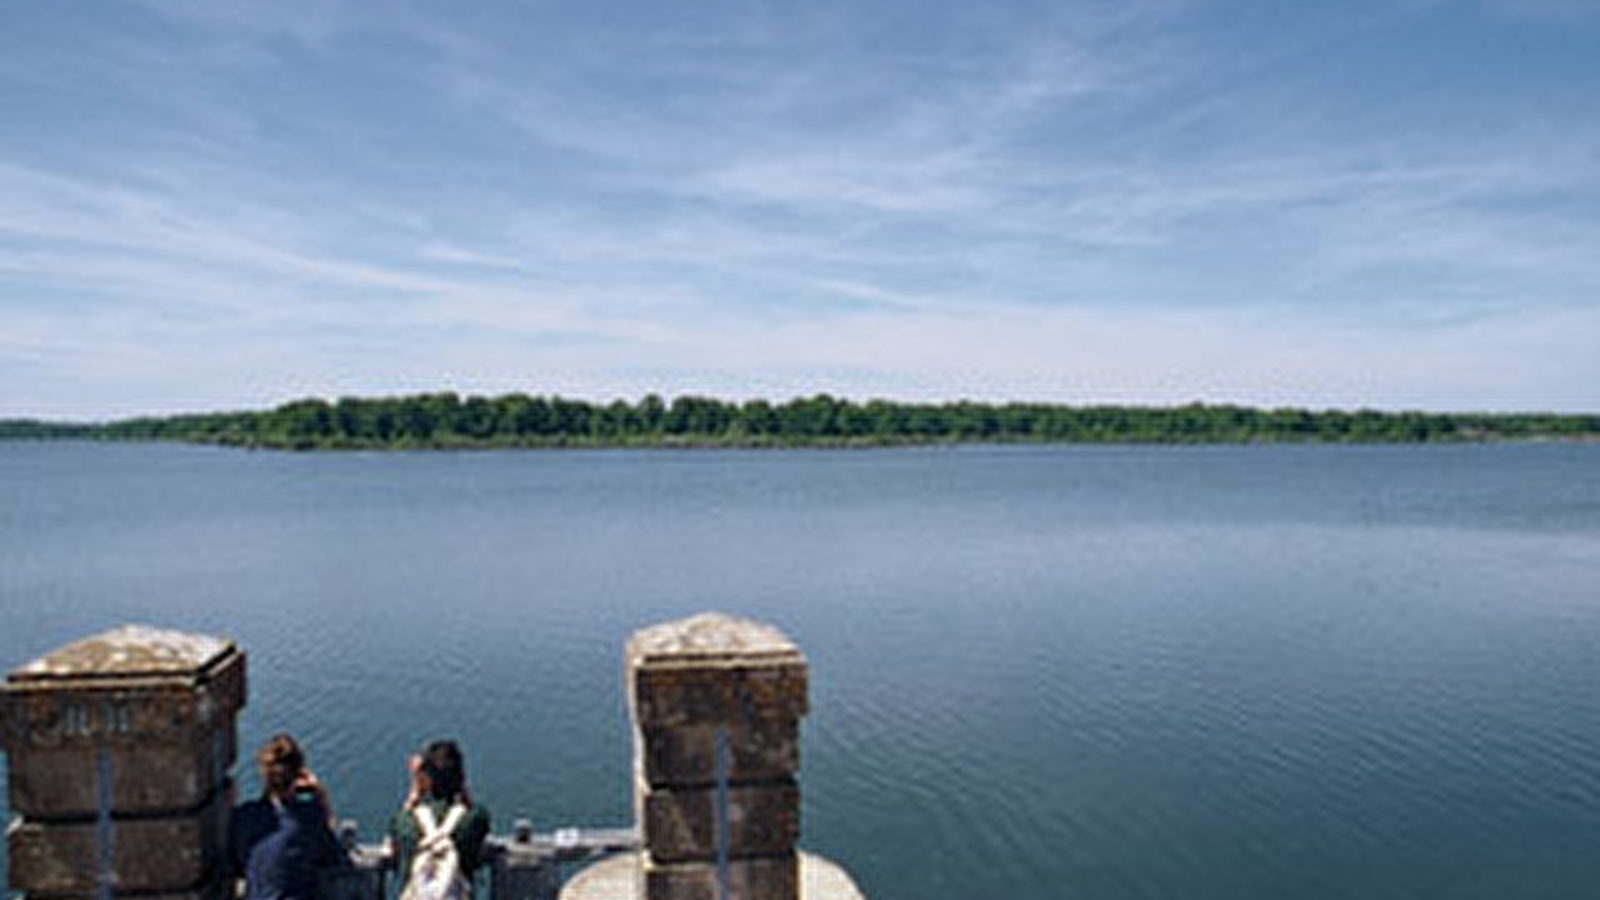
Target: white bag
436,868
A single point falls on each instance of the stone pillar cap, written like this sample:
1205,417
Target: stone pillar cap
711,638
127,652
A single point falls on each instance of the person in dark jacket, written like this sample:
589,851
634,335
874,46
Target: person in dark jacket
439,781
279,843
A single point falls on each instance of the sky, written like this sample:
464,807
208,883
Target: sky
222,204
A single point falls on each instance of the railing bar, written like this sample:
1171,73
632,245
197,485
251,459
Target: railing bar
105,834
722,765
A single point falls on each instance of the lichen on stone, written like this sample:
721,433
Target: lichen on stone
128,650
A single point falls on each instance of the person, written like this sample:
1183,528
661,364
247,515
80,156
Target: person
438,799
280,842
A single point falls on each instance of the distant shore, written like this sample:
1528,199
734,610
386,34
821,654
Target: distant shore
446,421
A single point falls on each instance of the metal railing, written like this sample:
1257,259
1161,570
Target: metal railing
521,866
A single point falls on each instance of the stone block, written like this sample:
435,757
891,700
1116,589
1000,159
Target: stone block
669,696
177,773
681,825
758,750
113,689
768,878
148,855
714,669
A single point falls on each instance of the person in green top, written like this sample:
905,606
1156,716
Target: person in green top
439,782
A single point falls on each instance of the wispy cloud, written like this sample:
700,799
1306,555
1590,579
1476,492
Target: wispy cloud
1067,201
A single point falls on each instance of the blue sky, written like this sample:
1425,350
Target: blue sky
220,204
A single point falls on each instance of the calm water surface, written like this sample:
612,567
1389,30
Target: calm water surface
1038,673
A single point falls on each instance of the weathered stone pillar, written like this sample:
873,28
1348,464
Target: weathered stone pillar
716,705
119,750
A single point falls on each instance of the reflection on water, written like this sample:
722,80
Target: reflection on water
1092,672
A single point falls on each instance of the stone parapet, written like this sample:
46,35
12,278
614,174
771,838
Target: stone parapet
716,704
119,748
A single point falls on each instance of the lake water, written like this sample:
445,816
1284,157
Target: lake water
1107,673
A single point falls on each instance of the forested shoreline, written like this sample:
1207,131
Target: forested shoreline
448,421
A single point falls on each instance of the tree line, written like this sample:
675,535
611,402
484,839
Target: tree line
446,420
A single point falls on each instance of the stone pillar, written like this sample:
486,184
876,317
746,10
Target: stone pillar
716,706
119,750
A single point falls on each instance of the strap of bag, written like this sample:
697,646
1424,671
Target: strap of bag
433,832
424,817
453,818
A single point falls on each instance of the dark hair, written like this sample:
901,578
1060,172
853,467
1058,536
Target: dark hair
446,770
281,761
